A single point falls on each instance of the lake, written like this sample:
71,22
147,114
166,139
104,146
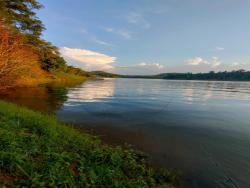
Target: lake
201,128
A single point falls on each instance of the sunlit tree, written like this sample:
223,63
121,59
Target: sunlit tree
16,58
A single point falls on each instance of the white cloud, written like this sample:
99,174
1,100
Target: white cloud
109,29
121,32
197,61
218,48
215,62
138,19
101,42
87,59
142,68
125,34
235,64
151,65
93,38
142,64
83,31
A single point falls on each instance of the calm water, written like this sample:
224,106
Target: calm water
201,128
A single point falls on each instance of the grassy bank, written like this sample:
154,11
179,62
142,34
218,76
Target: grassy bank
56,78
37,151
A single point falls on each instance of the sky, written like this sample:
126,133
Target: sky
150,36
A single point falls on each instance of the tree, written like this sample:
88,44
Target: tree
49,57
16,58
20,14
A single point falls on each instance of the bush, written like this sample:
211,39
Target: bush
37,151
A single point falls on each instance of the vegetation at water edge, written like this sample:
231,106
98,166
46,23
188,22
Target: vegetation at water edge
26,58
37,151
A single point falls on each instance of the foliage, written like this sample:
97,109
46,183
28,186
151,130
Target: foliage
49,56
76,71
25,58
37,151
239,75
19,63
66,79
16,58
105,74
236,75
20,14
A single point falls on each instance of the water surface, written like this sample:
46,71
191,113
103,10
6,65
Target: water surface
199,127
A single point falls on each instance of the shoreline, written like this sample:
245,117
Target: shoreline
64,81
38,150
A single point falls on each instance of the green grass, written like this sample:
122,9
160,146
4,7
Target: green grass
37,151
67,78
56,79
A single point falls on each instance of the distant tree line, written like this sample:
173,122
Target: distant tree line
237,75
105,74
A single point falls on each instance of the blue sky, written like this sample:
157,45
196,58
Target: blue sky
150,36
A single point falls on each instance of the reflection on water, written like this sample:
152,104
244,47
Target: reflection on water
199,127
93,91
45,99
221,90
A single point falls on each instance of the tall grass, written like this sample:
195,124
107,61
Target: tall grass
37,151
55,78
